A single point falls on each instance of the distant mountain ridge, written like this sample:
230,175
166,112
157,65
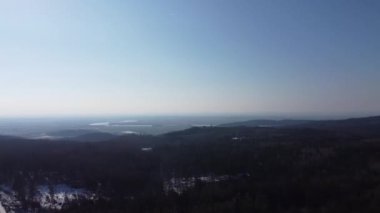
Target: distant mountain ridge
266,123
72,132
80,135
95,137
367,126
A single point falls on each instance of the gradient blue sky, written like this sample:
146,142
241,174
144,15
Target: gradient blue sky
294,57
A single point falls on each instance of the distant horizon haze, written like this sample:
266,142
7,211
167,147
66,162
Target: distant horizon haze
233,116
287,59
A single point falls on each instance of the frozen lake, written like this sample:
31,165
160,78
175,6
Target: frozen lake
151,125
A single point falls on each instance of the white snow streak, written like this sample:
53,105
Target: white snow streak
2,210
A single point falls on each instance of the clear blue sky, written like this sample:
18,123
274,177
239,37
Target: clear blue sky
294,57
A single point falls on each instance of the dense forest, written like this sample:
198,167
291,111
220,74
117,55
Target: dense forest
204,169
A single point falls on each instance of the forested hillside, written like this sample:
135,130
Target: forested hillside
208,169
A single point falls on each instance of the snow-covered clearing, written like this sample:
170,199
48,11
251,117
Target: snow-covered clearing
2,210
8,199
54,197
180,185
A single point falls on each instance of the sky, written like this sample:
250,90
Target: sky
140,57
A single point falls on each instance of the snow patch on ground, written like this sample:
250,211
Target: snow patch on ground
45,136
100,124
129,121
180,185
56,196
128,132
147,149
50,197
8,200
2,210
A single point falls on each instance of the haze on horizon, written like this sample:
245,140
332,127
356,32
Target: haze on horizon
70,57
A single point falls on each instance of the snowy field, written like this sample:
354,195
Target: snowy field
180,185
2,210
52,197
